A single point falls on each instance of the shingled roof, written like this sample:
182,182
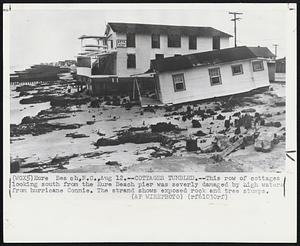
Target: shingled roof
166,29
209,58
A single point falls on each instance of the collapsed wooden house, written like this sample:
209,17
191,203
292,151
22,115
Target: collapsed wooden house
210,74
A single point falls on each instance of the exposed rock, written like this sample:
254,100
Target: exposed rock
200,133
136,138
113,163
165,127
264,142
249,110
191,145
196,123
271,123
142,159
220,117
76,135
227,123
15,165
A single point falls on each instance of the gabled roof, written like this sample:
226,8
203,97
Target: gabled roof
210,58
165,29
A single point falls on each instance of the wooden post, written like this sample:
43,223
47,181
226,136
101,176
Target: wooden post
133,89
139,93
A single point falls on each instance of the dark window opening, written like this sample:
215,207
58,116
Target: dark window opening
177,55
83,62
155,40
258,66
131,61
112,44
216,42
192,42
159,56
130,39
237,69
174,41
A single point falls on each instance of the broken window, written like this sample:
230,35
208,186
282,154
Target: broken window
257,66
174,40
237,69
155,41
159,56
131,61
178,81
216,42
192,42
130,39
215,76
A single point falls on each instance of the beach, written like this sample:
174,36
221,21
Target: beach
65,138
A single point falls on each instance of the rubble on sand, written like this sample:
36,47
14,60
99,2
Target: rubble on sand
130,137
196,124
76,135
165,127
113,163
58,162
191,145
36,129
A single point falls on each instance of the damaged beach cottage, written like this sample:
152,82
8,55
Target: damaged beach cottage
166,64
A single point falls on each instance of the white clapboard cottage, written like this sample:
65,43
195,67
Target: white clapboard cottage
210,74
106,63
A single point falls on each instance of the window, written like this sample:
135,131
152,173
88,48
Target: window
192,42
237,69
177,55
174,40
130,38
83,62
155,40
111,44
159,56
258,66
215,76
178,81
216,42
131,61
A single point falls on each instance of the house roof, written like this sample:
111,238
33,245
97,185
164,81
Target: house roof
165,29
91,36
209,58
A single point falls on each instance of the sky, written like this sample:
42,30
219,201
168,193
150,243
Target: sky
48,33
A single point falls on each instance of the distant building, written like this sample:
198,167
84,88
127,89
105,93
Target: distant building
127,49
210,74
280,70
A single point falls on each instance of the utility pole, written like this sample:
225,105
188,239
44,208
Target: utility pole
235,19
276,45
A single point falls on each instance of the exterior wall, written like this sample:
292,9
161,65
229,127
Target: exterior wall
84,71
224,43
271,68
198,86
279,77
144,52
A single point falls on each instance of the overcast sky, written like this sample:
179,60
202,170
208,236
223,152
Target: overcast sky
50,32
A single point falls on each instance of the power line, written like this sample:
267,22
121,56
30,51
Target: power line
235,19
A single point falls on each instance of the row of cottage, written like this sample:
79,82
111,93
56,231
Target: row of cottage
162,64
